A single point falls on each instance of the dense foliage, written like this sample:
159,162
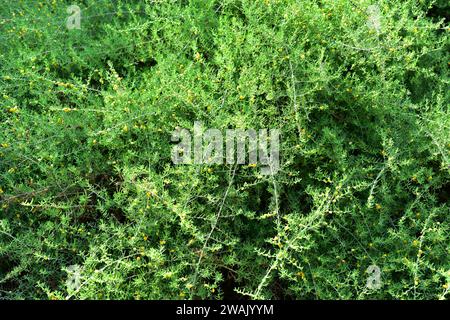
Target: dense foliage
92,207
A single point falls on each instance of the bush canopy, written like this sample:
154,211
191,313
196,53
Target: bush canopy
93,207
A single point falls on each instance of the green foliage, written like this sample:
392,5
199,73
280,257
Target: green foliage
86,177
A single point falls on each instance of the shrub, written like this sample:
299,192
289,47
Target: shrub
92,206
